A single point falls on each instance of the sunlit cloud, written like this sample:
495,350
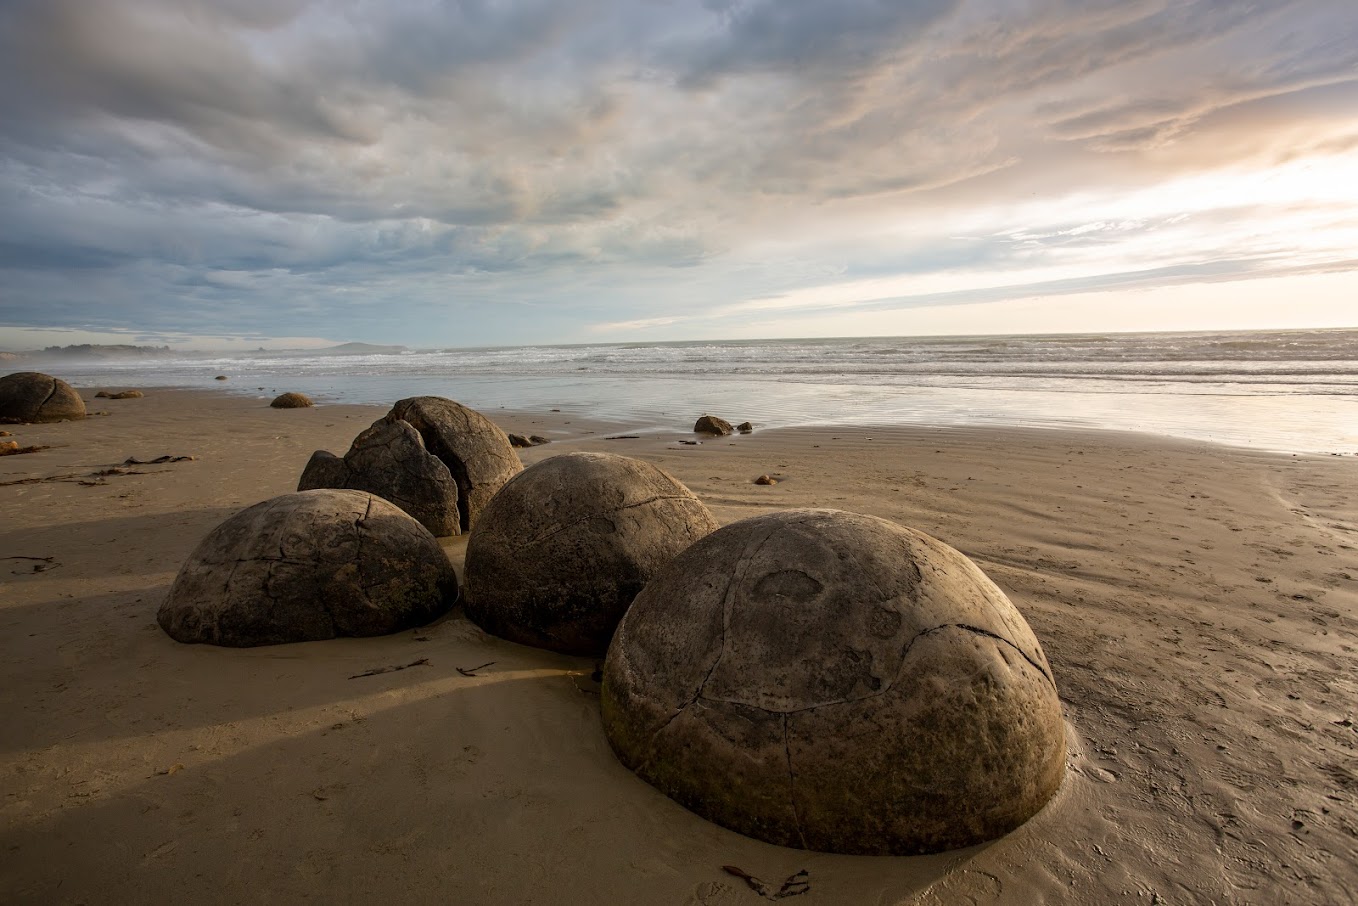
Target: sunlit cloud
527,171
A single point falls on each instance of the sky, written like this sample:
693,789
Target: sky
220,173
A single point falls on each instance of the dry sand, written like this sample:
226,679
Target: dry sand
1198,605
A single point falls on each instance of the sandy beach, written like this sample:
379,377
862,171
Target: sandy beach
1198,604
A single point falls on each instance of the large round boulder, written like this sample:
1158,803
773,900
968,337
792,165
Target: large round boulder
474,449
313,565
559,554
31,396
835,682
389,460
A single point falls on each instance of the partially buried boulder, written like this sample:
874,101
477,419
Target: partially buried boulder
31,396
308,566
292,401
559,554
474,449
389,459
835,682
711,424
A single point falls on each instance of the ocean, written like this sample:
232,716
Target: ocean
1293,391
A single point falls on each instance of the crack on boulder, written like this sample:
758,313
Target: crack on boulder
552,533
905,658
999,638
37,413
792,785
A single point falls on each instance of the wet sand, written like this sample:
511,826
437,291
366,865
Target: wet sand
1199,606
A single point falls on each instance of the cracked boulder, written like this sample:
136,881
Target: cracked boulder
307,566
474,449
389,459
559,554
31,396
835,682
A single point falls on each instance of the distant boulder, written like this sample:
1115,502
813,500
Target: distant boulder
122,395
745,427
390,460
710,424
30,396
532,440
302,567
220,377
292,401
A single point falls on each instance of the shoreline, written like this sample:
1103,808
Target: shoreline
1197,602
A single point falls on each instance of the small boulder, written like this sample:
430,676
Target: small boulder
30,396
389,459
474,449
220,377
835,682
102,395
292,401
308,566
710,424
9,446
127,395
560,552
532,440
766,479
745,427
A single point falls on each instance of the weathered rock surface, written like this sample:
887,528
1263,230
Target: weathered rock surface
559,554
532,440
292,401
711,424
308,566
835,682
31,396
389,459
745,428
474,449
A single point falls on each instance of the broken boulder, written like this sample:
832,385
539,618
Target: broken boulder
389,459
474,449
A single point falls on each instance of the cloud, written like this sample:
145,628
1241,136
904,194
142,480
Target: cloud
416,169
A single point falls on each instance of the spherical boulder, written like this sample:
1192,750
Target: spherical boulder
474,449
559,554
292,401
31,396
835,682
389,460
313,565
